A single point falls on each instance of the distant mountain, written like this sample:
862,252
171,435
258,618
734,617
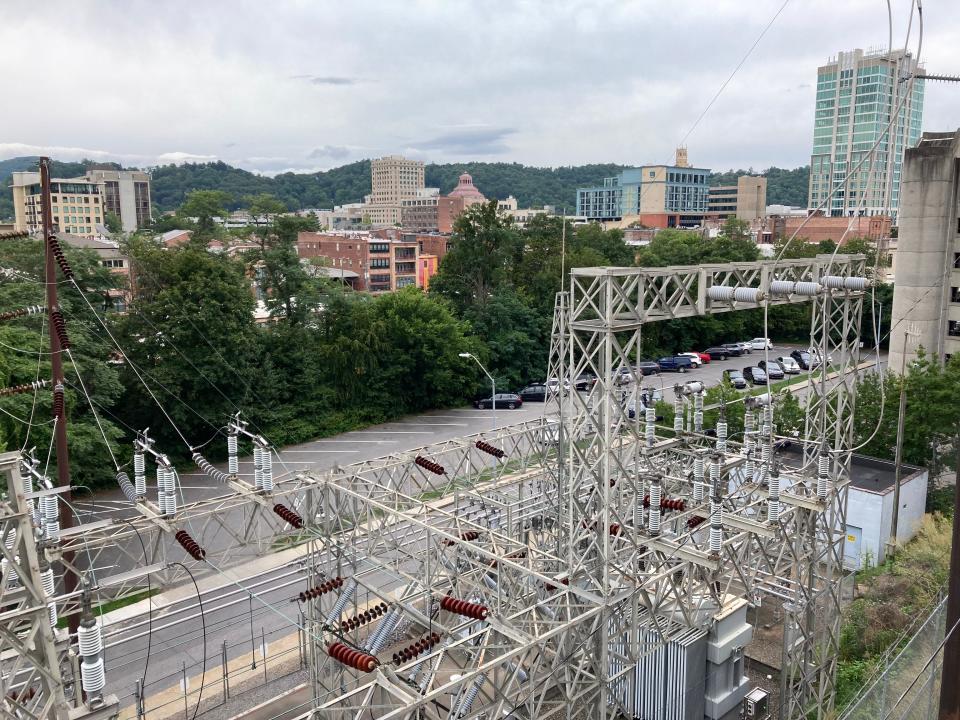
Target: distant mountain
532,186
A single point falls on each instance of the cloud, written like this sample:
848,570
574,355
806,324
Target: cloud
469,140
58,152
334,152
178,158
326,79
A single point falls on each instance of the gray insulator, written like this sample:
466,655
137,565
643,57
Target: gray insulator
782,287
678,415
698,412
651,426
698,473
161,490
837,282
51,518
126,486
653,525
377,641
341,602
470,696
257,467
266,463
48,583
208,469
233,465
823,475
715,475
773,497
716,525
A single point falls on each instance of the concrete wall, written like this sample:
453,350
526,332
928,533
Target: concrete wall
927,228
872,512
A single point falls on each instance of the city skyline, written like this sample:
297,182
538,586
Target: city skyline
296,88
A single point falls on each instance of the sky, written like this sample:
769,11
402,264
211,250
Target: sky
306,85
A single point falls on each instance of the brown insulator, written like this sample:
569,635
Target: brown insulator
60,328
59,256
430,465
462,607
490,449
695,520
26,387
468,536
22,312
288,515
190,545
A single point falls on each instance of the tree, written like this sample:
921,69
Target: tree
264,205
112,222
204,205
292,293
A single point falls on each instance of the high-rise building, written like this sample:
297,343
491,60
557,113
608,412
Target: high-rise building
857,92
658,195
393,179
926,294
747,200
82,203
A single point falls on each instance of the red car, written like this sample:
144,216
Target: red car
704,357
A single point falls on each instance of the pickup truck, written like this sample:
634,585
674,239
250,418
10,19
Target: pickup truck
675,363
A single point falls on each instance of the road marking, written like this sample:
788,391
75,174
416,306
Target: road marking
421,424
378,442
395,432
285,452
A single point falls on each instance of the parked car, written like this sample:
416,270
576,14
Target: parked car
805,360
705,357
717,353
735,379
675,363
815,353
755,375
761,344
733,349
623,376
510,401
585,381
789,365
648,367
772,369
694,357
646,397
746,346
536,392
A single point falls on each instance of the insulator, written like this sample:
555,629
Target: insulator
58,255
352,658
715,475
58,402
22,312
171,491
749,420
468,536
651,425
60,328
233,464
462,607
698,412
126,486
653,519
782,287
364,617
8,571
823,474
695,520
92,677
162,489
470,696
378,639
208,469
430,465
90,638
678,414
190,545
257,467
837,282
698,471
288,515
139,474
341,602
321,589
490,449
266,462
48,583
721,436
51,517
24,388
773,496
738,294
716,525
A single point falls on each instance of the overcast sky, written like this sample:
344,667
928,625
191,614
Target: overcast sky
306,84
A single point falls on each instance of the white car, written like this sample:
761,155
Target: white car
789,365
694,358
761,344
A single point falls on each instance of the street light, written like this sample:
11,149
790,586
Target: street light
493,384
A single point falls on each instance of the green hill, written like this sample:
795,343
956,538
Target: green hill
26,163
532,186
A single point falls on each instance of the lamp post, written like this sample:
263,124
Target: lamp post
493,384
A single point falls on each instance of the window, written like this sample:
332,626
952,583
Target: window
112,263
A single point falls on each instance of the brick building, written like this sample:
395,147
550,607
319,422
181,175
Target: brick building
382,260
819,228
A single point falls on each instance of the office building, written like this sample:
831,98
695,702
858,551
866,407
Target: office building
654,195
81,204
856,93
522,216
375,261
746,200
429,211
393,179
926,295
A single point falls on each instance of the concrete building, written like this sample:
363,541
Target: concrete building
747,200
426,268
393,179
126,193
653,195
926,296
80,204
522,216
110,257
856,93
365,260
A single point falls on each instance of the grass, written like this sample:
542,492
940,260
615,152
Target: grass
112,605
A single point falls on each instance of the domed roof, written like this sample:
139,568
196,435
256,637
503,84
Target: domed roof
467,190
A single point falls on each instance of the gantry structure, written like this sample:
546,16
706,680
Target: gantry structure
569,567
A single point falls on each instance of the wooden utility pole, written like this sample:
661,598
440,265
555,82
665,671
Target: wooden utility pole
950,676
56,376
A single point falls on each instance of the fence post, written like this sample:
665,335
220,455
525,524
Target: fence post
186,711
138,693
226,672
253,649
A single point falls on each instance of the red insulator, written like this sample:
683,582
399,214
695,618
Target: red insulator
420,646
615,529
190,545
61,259
462,607
321,589
58,401
695,520
289,515
27,387
490,449
468,536
435,468
352,658
60,328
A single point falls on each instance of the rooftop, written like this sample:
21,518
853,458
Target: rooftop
866,473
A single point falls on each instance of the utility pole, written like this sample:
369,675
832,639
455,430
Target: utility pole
898,458
56,372
949,687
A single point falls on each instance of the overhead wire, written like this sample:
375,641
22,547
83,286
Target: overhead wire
203,623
